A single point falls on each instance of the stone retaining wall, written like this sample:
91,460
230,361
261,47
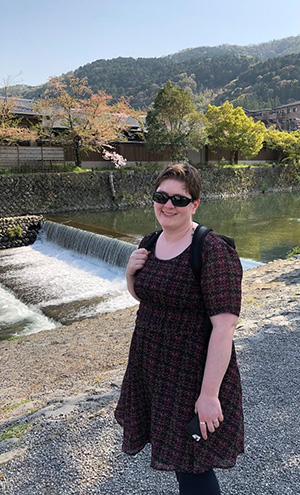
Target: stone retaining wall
63,192
19,231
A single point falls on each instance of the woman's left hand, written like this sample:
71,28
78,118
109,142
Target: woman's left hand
210,414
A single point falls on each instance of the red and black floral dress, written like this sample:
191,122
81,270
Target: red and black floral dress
167,358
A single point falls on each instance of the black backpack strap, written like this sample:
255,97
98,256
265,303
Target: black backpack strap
197,244
196,261
152,239
196,249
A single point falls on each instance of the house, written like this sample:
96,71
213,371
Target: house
23,110
284,117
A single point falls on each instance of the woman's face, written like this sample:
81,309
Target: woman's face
170,216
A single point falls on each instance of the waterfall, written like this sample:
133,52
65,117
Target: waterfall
112,251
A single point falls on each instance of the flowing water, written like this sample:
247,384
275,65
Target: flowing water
76,270
44,285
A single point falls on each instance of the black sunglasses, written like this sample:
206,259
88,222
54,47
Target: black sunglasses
177,200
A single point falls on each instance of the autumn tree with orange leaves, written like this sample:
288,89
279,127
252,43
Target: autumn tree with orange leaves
73,115
11,132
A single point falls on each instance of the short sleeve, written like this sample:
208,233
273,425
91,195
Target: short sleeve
221,277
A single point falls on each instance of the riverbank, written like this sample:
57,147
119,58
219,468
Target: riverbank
62,386
41,193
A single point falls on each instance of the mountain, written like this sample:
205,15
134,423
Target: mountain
253,76
261,51
140,79
265,84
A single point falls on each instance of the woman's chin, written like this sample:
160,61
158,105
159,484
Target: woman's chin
166,221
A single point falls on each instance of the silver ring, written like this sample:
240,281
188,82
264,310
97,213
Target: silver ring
202,422
215,422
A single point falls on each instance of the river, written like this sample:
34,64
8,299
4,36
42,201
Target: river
43,286
265,227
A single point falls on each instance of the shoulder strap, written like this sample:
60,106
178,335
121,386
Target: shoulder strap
152,239
197,244
196,249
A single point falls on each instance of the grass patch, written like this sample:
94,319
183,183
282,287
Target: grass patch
79,170
293,252
14,337
32,412
32,168
11,408
243,165
14,431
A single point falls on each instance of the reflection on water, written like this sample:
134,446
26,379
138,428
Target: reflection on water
264,227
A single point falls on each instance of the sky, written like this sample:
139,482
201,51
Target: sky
42,39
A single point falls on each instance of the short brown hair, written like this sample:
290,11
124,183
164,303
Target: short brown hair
183,172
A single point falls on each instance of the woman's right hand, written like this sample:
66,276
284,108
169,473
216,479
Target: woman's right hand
136,261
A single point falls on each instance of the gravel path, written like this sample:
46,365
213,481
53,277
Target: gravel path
61,388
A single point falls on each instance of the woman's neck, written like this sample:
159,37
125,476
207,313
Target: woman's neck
172,243
171,236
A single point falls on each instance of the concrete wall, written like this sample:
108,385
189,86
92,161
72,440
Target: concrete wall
32,194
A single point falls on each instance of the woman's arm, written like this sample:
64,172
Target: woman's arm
136,261
219,351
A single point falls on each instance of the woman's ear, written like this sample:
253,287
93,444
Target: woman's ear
195,203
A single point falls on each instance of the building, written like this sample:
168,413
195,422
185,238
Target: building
284,117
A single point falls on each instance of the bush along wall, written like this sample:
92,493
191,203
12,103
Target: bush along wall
19,231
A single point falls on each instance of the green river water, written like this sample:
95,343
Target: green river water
265,227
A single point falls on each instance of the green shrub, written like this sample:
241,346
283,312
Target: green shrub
15,232
293,252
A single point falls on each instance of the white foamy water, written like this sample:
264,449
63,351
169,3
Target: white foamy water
15,315
64,284
248,264
44,285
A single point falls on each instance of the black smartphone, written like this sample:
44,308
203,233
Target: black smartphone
193,428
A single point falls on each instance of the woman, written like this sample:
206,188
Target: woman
172,372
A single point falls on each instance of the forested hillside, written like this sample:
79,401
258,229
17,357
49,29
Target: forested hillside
140,79
261,51
254,76
265,84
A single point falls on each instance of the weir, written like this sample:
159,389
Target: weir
112,251
68,274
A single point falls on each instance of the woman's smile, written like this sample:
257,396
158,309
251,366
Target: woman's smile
168,213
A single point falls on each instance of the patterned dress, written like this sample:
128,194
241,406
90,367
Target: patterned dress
167,358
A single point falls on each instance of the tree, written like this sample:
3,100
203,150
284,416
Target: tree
287,144
72,115
173,124
11,132
229,128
